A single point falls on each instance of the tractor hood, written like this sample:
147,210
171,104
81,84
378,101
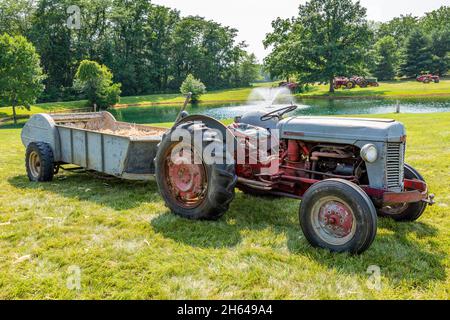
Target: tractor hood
341,130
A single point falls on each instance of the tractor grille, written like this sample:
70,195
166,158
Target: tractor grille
395,166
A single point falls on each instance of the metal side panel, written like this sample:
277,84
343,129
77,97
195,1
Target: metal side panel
66,144
79,143
94,151
115,150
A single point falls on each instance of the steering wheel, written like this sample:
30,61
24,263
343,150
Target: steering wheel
279,113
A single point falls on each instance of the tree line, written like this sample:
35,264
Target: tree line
148,48
330,38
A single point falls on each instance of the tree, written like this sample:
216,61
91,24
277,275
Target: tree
21,75
417,57
95,81
194,86
440,49
386,58
436,20
327,39
400,28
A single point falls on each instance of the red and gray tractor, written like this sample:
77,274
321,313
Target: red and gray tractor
345,171
428,78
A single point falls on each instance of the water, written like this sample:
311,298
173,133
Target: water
159,114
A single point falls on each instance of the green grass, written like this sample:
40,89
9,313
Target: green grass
128,245
397,89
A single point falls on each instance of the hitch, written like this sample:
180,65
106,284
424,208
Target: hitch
430,199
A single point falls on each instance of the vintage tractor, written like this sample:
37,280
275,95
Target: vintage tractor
293,87
427,78
363,82
344,170
343,82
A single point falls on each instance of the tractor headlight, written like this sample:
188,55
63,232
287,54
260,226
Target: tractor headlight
369,153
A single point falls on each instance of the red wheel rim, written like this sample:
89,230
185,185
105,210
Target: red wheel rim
333,220
186,181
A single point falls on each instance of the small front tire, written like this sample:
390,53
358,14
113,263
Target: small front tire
338,215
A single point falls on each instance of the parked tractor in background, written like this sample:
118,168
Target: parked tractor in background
427,78
363,82
350,83
292,86
343,82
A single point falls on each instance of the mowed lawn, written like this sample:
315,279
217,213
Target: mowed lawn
397,89
123,242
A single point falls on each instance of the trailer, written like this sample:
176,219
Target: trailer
93,141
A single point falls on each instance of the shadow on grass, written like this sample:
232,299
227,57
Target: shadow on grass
115,193
394,249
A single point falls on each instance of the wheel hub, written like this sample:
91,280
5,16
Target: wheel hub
187,181
336,219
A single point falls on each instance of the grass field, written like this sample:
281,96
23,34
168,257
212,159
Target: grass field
399,89
123,243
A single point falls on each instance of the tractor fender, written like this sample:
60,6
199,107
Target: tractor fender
210,123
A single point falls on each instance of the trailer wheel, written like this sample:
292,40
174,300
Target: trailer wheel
338,215
194,191
405,211
39,162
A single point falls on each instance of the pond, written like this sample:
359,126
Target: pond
159,114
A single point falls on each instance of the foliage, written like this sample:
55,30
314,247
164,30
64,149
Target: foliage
149,48
417,56
386,58
194,86
326,39
21,75
95,81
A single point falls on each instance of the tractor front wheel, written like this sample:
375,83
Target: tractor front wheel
191,186
350,85
339,216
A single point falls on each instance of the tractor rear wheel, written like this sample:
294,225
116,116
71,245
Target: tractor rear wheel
339,216
195,189
405,211
39,162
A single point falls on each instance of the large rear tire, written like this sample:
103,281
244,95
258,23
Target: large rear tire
339,216
405,211
39,162
194,191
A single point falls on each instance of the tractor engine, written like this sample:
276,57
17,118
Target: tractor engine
260,166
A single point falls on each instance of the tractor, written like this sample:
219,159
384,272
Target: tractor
345,171
427,78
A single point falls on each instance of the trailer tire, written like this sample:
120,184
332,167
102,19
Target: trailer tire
338,215
406,212
218,180
39,162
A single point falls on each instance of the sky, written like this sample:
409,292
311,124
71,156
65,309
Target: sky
253,17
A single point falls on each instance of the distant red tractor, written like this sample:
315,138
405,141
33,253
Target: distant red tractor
292,86
427,78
